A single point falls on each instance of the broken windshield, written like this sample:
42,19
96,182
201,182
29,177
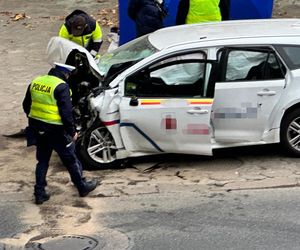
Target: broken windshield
128,54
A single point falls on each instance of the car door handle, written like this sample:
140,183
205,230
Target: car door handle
266,93
198,111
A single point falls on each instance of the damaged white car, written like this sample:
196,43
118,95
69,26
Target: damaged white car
188,89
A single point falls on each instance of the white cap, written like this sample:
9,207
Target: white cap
64,67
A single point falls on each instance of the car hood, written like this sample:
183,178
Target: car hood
59,48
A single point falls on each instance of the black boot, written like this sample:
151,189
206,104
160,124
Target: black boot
87,187
41,198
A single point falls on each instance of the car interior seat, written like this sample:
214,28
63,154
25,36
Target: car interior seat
258,72
264,71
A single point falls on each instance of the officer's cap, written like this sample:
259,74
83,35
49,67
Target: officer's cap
64,67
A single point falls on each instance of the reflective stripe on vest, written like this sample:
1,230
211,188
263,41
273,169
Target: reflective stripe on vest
44,105
203,11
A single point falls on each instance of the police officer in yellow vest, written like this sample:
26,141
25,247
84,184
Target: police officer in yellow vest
48,106
197,11
82,29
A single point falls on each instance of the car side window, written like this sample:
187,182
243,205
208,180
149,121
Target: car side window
291,55
249,65
180,73
172,77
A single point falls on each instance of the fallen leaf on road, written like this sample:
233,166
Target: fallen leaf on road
108,17
18,16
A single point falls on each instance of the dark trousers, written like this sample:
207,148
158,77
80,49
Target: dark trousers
65,148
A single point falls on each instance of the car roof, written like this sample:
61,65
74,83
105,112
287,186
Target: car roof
182,34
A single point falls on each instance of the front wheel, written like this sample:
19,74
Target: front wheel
290,133
98,150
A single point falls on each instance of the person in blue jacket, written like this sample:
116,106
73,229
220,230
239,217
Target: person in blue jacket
148,15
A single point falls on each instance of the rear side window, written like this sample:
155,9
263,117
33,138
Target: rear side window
251,65
291,54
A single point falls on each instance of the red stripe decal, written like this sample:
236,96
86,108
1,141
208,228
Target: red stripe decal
150,103
201,102
110,123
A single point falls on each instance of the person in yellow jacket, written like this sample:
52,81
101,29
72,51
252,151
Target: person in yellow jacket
197,11
82,29
48,106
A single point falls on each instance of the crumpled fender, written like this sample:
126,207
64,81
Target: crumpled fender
109,113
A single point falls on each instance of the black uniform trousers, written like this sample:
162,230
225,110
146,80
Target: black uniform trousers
64,146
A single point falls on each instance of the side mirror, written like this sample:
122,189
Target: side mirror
134,101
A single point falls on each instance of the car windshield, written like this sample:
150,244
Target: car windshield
126,55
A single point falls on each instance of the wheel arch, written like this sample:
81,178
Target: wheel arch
90,162
289,138
288,111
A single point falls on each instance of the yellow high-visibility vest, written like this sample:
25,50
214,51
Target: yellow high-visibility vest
203,11
84,40
44,106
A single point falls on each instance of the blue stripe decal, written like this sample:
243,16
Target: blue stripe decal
127,124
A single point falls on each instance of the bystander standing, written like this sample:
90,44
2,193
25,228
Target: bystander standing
197,11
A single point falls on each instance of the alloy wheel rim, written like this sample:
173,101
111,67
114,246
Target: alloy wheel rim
293,134
101,147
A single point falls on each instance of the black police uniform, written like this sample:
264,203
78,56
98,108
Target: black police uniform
48,137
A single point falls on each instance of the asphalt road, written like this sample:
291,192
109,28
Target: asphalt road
10,224
185,218
243,198
257,219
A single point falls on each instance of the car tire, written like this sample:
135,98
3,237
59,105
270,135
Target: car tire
97,148
290,133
